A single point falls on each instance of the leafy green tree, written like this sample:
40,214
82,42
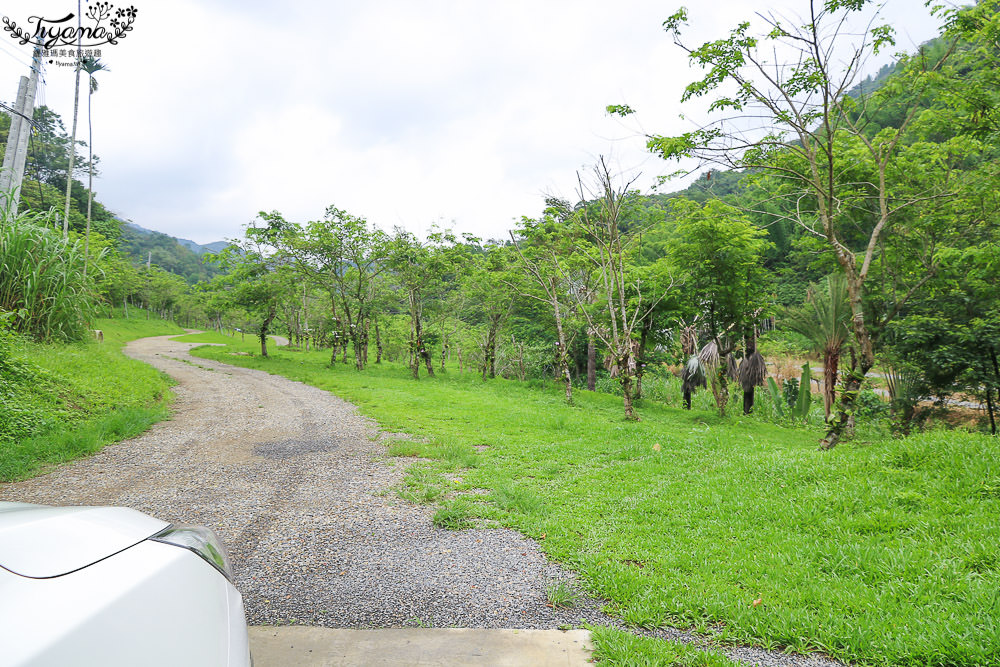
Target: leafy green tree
608,224
344,255
545,248
951,335
798,124
485,281
420,269
258,279
718,256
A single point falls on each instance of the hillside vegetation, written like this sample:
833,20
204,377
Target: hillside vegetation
61,401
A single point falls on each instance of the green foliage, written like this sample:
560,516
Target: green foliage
776,398
166,253
561,594
455,515
824,317
59,402
41,279
804,399
718,253
790,392
619,648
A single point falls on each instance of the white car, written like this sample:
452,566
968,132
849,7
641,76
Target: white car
111,586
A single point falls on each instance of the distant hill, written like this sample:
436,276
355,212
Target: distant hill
178,256
196,248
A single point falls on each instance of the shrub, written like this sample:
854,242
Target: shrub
42,279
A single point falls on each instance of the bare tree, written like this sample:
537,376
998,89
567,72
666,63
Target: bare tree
608,235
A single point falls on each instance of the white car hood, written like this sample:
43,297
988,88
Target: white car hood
41,542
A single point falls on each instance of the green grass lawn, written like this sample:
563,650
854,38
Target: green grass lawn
881,552
63,401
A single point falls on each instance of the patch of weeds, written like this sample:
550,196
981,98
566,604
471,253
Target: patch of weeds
423,495
561,595
456,515
408,449
459,455
421,485
618,648
515,499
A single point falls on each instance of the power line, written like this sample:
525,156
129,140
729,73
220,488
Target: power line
13,111
16,55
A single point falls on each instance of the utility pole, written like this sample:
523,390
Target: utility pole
12,173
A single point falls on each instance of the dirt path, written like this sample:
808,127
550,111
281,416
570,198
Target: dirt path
300,489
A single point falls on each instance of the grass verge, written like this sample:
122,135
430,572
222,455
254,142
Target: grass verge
59,402
881,552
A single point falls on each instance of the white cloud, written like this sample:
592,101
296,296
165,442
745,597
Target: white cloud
402,112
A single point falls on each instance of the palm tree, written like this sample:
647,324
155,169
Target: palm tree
76,113
824,319
91,66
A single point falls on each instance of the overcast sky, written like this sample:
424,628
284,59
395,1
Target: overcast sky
405,112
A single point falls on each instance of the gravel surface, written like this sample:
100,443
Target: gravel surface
300,488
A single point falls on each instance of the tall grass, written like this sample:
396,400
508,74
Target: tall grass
42,279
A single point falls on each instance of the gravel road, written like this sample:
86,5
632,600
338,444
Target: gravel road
299,486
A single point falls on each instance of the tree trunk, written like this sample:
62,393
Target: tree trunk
687,399
563,354
428,362
90,178
996,374
720,388
748,400
640,365
591,361
989,408
519,349
359,360
378,343
490,357
854,378
626,380
264,327
831,359
860,364
76,114
750,338
416,336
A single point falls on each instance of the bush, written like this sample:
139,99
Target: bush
870,404
43,279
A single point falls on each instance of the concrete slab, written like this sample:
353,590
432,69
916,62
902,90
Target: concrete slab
297,646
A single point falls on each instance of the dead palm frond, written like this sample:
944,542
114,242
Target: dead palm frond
732,370
709,355
752,371
689,340
693,375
